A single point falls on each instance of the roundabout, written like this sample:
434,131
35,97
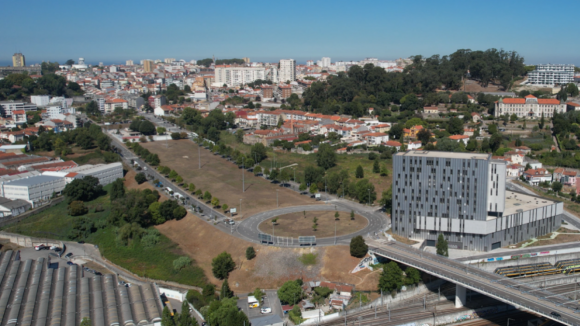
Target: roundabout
302,224
369,222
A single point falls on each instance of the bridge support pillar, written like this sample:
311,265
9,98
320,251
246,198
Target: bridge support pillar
460,297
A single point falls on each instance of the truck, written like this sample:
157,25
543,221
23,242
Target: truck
253,302
317,196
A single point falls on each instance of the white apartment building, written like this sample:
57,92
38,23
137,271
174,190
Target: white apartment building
238,75
551,74
101,104
8,106
287,70
35,190
106,173
529,107
325,62
40,100
169,60
273,74
129,63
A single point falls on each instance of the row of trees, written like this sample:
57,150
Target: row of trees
145,154
19,86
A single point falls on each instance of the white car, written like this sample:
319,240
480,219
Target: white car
53,247
266,310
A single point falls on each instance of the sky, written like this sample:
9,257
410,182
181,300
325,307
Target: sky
115,31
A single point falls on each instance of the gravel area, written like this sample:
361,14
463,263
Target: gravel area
285,264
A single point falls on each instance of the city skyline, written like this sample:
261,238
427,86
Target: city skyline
303,31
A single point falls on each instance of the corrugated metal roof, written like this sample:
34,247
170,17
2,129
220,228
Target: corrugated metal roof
27,182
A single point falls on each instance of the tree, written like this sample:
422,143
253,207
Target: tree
146,128
376,167
179,212
424,135
557,186
77,208
179,179
258,152
358,247
258,294
250,253
387,199
166,318
117,190
313,188
352,215
513,118
161,130
326,157
257,170
359,173
222,265
240,135
84,140
175,136
207,196
85,189
391,278
485,145
442,246
302,186
572,89
155,214
215,202
542,122
413,276
140,177
225,291
173,174
185,318
225,207
471,145
86,322
455,126
104,142
518,142
290,293
495,142
191,188
396,131
336,216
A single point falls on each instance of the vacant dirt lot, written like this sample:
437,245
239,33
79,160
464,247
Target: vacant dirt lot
298,224
223,179
271,267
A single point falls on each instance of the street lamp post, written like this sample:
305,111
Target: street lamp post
240,206
369,189
199,153
277,204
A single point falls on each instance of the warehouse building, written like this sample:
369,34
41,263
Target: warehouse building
463,197
36,292
36,189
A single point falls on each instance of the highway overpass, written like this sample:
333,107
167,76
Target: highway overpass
554,306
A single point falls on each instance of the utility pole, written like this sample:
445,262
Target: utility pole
199,153
240,206
369,196
277,205
334,231
243,174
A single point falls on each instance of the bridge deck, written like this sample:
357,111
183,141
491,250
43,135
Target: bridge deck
501,288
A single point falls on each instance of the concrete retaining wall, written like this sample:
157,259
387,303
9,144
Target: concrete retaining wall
465,315
29,242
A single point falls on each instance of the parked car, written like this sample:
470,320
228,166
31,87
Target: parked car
555,314
266,310
254,305
68,255
57,249
53,247
81,242
70,263
39,247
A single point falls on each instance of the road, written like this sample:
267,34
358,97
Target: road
492,285
248,230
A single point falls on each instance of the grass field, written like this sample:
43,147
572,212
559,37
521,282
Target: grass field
343,162
156,262
295,224
223,179
85,156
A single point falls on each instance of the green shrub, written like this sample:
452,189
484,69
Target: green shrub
181,262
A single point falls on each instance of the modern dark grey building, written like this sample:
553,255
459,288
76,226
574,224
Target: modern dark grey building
463,196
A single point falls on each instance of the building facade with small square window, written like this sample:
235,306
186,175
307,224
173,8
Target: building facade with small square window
463,197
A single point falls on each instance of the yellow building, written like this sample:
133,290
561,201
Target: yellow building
148,65
18,60
412,132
